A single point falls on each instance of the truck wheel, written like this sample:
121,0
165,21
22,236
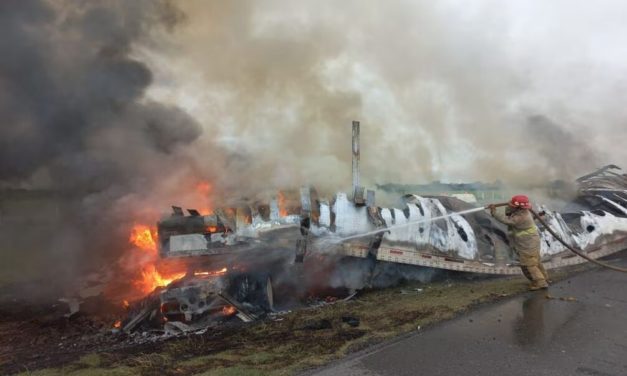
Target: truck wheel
256,290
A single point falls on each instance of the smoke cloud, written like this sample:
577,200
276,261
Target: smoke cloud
444,91
124,106
76,121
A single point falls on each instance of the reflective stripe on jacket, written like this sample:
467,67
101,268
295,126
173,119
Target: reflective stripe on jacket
524,233
528,231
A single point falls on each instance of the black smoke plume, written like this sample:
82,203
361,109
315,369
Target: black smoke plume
76,124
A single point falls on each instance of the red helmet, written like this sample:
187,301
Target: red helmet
520,201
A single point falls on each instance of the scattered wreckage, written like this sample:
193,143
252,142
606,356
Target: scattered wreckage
232,253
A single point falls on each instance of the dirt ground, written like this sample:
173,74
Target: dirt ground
32,343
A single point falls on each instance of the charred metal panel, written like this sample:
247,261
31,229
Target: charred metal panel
188,243
375,217
426,231
604,189
226,218
325,214
350,219
597,226
452,235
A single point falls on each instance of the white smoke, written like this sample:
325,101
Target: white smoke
445,90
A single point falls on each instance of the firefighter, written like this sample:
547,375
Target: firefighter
525,239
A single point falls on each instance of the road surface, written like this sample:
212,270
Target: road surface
526,335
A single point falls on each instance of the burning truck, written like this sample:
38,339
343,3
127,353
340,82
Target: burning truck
240,259
258,257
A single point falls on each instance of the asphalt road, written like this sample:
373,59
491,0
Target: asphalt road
526,335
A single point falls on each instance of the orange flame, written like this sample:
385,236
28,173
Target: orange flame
147,270
151,279
204,189
281,201
211,273
229,310
143,237
117,324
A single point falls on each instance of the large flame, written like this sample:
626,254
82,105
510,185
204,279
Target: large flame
151,279
149,271
204,190
144,237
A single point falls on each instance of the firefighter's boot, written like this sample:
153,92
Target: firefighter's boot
537,278
544,273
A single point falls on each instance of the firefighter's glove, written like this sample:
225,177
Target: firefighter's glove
492,208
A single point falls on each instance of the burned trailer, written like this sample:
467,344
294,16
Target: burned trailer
604,189
475,242
254,241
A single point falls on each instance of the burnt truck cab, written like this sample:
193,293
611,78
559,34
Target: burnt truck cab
227,231
183,235
229,256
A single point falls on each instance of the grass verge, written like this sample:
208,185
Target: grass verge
307,338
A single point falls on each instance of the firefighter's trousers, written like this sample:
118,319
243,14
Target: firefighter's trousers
533,269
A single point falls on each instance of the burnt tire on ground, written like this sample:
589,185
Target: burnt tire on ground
254,289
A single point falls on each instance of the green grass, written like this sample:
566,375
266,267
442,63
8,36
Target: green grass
69,371
285,347
233,371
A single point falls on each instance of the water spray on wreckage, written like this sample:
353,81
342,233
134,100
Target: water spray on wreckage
240,260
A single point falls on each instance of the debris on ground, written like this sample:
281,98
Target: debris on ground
73,305
562,298
413,291
318,325
351,321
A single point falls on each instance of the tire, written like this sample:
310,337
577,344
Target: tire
256,290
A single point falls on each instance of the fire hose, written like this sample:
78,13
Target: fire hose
568,246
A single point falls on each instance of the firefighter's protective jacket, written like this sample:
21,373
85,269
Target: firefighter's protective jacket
522,230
